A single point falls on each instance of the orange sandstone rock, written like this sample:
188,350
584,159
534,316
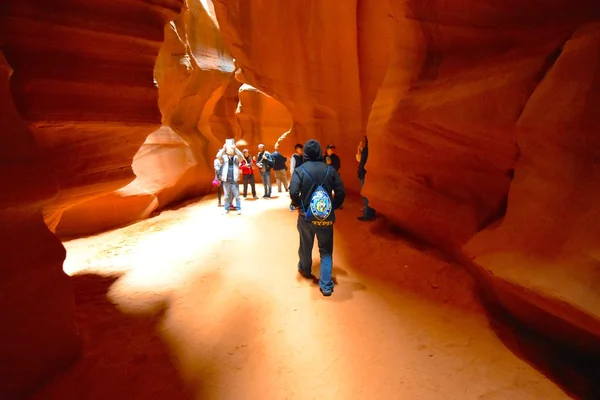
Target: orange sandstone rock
305,59
82,82
192,71
38,335
167,171
262,119
442,127
543,256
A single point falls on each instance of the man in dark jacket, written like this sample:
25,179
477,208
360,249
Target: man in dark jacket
362,154
305,181
264,161
332,159
280,169
296,160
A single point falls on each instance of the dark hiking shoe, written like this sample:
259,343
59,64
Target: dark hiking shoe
306,276
326,293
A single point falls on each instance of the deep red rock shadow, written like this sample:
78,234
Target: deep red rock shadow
124,356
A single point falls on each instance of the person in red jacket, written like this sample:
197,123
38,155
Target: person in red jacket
247,167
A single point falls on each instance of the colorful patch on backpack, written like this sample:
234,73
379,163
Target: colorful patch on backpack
320,204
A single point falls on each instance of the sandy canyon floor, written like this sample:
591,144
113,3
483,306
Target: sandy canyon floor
193,304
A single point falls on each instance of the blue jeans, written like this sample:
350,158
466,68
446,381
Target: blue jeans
266,178
368,211
232,190
324,235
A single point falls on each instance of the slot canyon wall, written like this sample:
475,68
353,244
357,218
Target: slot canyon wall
262,119
473,110
194,74
77,102
457,98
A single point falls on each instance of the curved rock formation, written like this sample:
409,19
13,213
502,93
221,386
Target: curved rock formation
192,71
82,82
262,119
35,294
305,59
87,97
544,258
222,121
167,171
455,86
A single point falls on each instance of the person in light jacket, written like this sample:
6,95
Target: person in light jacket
230,158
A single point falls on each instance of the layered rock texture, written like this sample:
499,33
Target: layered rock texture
76,109
262,119
456,99
193,72
306,60
545,254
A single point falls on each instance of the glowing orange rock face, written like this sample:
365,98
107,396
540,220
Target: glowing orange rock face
193,73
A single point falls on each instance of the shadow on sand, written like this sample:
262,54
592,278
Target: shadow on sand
123,355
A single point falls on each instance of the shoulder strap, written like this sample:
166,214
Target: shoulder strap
326,174
311,178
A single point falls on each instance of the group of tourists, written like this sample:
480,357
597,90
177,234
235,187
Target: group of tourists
316,192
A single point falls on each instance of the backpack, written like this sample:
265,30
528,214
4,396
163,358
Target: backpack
268,161
320,206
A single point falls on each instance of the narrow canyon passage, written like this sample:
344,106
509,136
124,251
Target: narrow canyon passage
195,304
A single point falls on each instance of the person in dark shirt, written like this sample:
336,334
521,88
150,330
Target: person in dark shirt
332,159
296,160
362,154
264,161
302,188
280,169
217,181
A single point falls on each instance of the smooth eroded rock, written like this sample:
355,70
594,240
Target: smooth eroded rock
167,171
442,127
192,71
546,250
93,102
305,59
39,336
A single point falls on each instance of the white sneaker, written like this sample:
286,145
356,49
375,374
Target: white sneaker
239,212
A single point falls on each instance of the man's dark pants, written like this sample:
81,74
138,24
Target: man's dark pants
249,179
307,231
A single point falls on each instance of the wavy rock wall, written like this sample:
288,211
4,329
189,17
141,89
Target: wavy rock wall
544,256
193,72
262,119
298,54
77,107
